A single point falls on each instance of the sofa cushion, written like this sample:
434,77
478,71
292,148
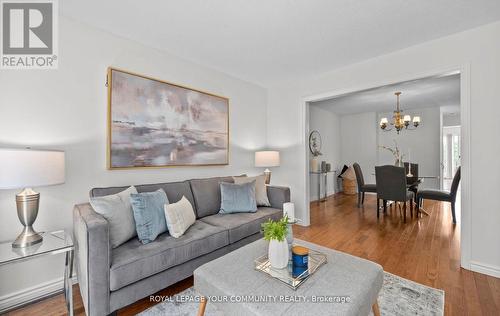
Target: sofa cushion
180,216
117,210
134,261
260,188
237,198
206,193
241,225
149,215
174,190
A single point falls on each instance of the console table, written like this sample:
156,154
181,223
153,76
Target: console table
53,243
322,175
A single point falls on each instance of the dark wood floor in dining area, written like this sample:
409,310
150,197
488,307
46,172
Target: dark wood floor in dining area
425,250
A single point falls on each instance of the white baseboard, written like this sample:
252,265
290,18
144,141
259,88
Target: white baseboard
485,269
31,294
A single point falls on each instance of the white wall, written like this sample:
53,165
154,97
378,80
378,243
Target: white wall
424,143
328,124
66,109
479,50
359,142
451,120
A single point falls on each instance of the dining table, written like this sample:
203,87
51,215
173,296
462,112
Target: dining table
414,184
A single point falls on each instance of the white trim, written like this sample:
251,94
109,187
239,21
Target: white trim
465,161
466,203
304,117
31,294
485,269
441,148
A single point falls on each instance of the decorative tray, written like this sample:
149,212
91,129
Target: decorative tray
315,261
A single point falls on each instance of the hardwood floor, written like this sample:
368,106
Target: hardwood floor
425,250
55,305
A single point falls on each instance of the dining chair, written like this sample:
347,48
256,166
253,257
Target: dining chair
414,180
392,186
440,195
362,186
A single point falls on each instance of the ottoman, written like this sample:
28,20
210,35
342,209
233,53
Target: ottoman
345,285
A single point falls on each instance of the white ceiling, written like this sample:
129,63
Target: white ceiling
442,91
265,41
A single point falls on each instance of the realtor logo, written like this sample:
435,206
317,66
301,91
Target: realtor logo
29,37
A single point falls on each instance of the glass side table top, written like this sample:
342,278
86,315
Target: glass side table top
316,260
53,243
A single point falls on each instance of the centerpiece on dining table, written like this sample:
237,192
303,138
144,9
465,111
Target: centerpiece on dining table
396,152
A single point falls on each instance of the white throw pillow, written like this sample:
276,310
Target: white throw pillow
180,216
260,188
117,210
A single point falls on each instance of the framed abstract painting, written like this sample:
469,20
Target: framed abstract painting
154,124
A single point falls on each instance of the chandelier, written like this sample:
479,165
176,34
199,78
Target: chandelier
399,121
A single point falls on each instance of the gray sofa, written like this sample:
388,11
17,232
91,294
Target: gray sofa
110,279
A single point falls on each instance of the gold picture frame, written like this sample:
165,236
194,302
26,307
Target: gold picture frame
183,144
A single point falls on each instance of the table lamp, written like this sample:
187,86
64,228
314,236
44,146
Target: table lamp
26,168
267,159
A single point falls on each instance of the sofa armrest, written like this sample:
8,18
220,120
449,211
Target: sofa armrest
278,195
92,256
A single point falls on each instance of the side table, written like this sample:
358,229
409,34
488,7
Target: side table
324,175
53,243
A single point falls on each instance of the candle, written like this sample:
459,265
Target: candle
289,210
409,163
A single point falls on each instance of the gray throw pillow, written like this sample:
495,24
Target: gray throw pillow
148,214
117,210
260,188
237,198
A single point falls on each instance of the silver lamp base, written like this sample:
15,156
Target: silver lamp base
267,173
27,203
27,237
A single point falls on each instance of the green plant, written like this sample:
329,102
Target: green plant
276,229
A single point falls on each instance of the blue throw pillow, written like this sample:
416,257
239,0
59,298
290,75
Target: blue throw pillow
237,198
149,215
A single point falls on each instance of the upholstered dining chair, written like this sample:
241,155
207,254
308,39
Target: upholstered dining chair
362,186
391,186
440,195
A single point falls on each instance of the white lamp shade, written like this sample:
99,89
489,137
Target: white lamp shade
416,119
407,118
384,121
267,158
23,168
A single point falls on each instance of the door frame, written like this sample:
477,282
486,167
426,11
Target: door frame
443,129
466,203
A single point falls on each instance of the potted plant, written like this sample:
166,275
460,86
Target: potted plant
275,232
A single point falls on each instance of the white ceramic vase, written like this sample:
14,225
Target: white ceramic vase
278,253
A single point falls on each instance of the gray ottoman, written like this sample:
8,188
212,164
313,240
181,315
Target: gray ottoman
345,285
